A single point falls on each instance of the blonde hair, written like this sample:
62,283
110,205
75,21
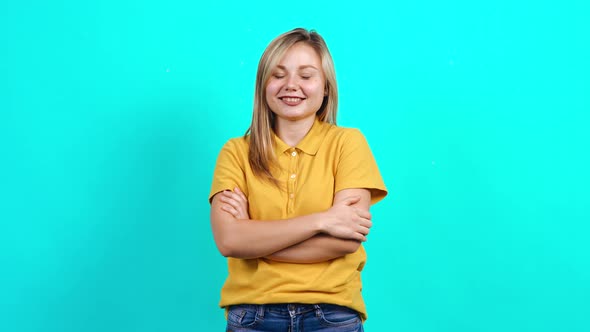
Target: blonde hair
261,153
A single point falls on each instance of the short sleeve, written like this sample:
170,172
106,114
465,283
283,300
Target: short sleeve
229,169
357,167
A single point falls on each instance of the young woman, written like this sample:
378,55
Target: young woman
290,200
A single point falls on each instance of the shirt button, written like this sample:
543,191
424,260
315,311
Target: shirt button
294,153
292,195
293,176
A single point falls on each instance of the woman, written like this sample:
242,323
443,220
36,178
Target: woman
290,200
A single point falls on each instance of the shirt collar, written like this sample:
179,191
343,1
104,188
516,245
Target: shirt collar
310,144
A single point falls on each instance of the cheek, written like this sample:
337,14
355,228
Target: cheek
271,89
314,88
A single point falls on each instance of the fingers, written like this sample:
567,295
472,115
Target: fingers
235,203
358,232
240,194
360,237
237,195
230,209
231,200
363,213
362,229
364,222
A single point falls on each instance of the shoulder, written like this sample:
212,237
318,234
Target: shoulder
347,142
345,135
234,150
237,144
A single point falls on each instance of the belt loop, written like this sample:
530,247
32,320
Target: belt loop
260,310
318,310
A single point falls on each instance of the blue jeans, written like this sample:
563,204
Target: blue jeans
292,317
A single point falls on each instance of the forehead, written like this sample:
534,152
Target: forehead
300,54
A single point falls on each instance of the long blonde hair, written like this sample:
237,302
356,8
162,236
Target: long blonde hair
261,154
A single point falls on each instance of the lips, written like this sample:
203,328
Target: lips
292,101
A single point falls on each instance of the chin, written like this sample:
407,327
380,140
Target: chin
295,117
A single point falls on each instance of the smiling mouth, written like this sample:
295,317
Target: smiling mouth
291,99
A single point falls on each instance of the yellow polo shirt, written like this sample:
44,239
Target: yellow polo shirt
328,159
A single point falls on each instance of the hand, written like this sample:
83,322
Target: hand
235,203
346,221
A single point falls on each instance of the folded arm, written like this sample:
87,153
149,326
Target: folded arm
319,248
323,247
238,236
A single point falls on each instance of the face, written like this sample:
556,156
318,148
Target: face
296,88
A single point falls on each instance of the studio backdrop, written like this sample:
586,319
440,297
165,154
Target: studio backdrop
112,114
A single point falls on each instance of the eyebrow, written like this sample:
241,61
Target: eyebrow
300,67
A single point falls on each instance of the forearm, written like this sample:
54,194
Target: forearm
244,238
319,248
323,247
240,237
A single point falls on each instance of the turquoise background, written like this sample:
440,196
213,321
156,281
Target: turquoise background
112,114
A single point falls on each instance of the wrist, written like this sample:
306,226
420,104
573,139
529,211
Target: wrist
320,222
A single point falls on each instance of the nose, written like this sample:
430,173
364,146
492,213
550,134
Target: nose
292,83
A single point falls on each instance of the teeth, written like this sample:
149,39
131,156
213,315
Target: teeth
291,100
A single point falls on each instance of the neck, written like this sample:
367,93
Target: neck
292,132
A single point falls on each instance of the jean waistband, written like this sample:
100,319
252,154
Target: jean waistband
288,308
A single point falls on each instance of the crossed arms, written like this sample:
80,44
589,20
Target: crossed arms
311,238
